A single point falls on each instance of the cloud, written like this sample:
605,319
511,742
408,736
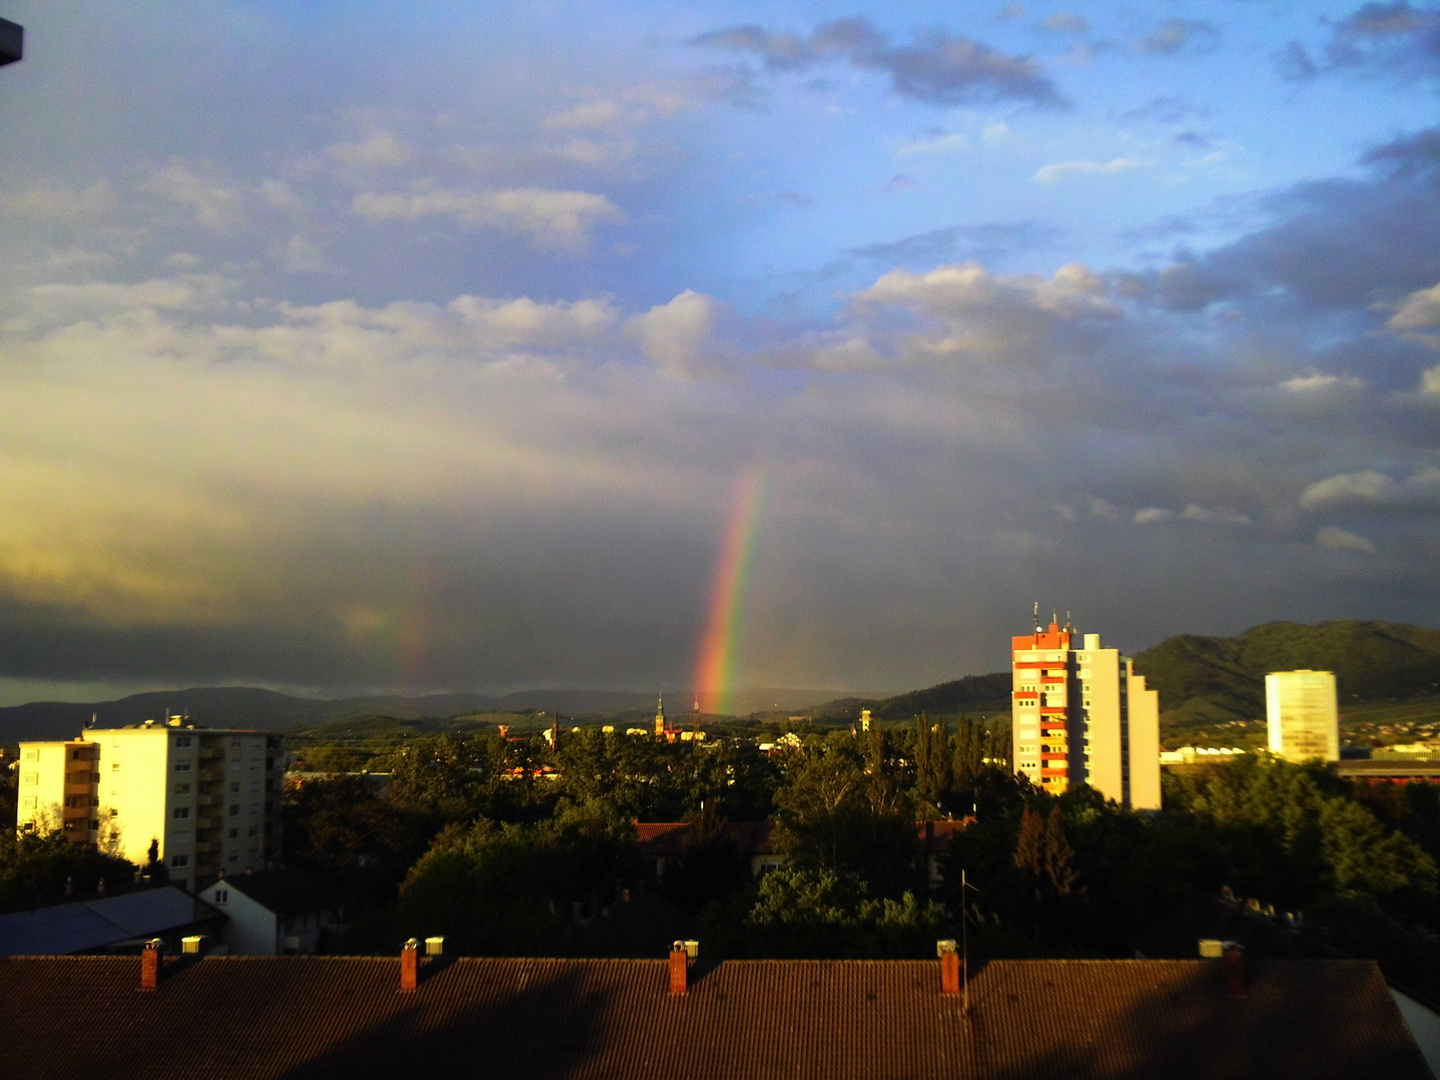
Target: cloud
677,335
986,242
217,201
1373,491
1396,41
939,143
964,290
1340,540
1182,36
61,202
590,114
378,150
548,216
935,68
1420,310
1319,383
1064,22
1049,174
1170,109
1332,245
1154,515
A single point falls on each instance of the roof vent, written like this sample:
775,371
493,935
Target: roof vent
434,946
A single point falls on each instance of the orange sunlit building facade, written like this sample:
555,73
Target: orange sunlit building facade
1080,714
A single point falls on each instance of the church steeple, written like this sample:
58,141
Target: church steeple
660,716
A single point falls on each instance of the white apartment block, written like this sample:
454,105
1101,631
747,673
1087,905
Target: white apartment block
1302,715
208,798
1081,715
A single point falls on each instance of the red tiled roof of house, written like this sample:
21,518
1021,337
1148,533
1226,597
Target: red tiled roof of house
312,1017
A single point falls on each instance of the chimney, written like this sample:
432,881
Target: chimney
409,965
1234,964
150,965
434,946
193,944
951,969
679,976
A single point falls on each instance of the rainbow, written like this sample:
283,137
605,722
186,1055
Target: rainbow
714,669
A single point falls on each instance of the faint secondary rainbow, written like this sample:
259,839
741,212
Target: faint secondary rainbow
714,671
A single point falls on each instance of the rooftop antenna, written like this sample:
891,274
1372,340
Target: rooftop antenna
965,941
1036,619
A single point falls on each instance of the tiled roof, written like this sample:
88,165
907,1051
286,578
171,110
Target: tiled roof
319,1017
666,837
286,891
83,925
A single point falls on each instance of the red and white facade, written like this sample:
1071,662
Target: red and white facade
1080,714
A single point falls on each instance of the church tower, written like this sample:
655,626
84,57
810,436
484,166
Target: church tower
660,716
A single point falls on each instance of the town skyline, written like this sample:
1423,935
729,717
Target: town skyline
346,348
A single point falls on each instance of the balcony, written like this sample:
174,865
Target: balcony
211,753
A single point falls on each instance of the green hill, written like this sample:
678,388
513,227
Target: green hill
1217,680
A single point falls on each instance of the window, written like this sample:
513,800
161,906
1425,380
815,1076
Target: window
182,741
254,785
235,810
234,789
115,766
31,778
179,812
79,755
222,896
253,831
235,744
28,802
182,789
234,834
179,860
182,766
32,755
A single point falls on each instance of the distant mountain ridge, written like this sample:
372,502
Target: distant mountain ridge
250,707
1218,679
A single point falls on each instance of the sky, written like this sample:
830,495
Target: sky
351,346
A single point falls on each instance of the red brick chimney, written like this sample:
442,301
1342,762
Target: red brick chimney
679,973
409,965
952,970
1233,960
150,965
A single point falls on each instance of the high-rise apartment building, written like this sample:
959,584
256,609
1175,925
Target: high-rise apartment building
1081,715
1302,715
209,799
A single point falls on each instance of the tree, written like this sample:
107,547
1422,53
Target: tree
835,812
807,912
34,868
710,866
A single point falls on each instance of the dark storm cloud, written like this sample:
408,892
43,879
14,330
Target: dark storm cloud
1337,245
1395,41
935,68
